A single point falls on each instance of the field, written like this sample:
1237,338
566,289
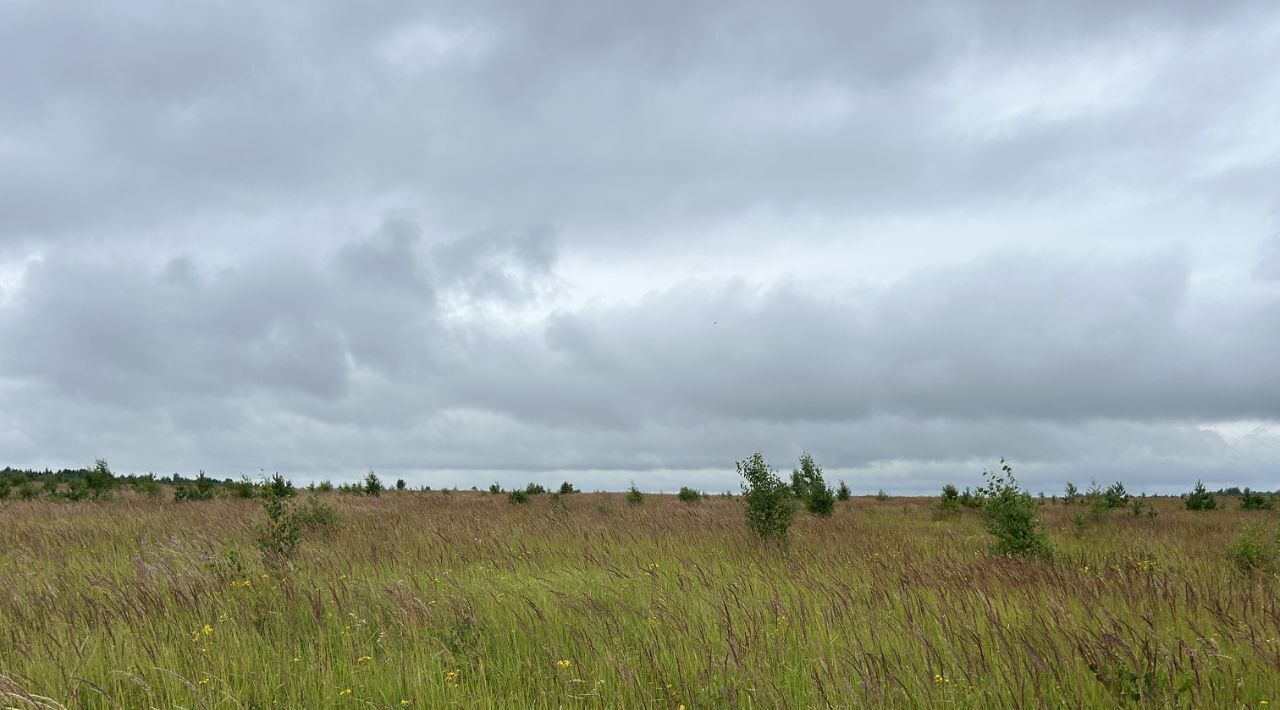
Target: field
431,600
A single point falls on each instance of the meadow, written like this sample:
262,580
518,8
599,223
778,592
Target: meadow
463,599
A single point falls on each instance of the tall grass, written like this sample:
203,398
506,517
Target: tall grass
424,600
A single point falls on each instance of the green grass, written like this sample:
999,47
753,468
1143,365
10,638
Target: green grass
468,601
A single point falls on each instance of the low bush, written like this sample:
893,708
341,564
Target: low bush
1255,501
1011,517
1200,499
770,502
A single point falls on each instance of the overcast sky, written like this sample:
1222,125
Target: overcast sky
616,241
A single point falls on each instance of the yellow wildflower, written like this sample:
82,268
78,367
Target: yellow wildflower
208,630
564,664
404,703
364,659
939,679
344,692
203,681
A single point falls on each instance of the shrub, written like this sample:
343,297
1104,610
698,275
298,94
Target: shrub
688,495
882,496
1200,499
517,497
771,503
495,488
51,487
634,496
534,489
1116,496
818,498
279,536
243,488
201,489
99,479
1255,501
566,488
1011,517
5,487
1071,493
968,499
1253,552
400,484
948,502
147,484
325,486
1139,508
843,493
372,484
278,487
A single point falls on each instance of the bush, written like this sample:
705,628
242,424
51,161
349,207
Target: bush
325,486
1255,501
566,488
517,497
147,484
968,499
771,503
634,496
278,538
688,495
99,479
1116,496
1200,499
372,484
278,487
818,499
882,496
1011,517
495,488
948,502
1253,552
400,484
534,489
843,493
1139,508
201,489
1070,494
5,487
243,488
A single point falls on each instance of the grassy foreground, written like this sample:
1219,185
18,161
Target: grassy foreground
428,600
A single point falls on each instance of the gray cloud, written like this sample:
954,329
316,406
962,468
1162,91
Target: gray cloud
484,237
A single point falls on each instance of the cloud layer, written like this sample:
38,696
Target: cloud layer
618,243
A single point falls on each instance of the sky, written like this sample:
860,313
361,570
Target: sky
607,242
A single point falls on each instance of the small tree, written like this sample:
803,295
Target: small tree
1200,499
818,498
882,495
771,503
566,488
99,479
843,493
1071,493
1011,516
634,496
1116,496
372,484
400,484
1255,501
278,487
688,495
948,502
